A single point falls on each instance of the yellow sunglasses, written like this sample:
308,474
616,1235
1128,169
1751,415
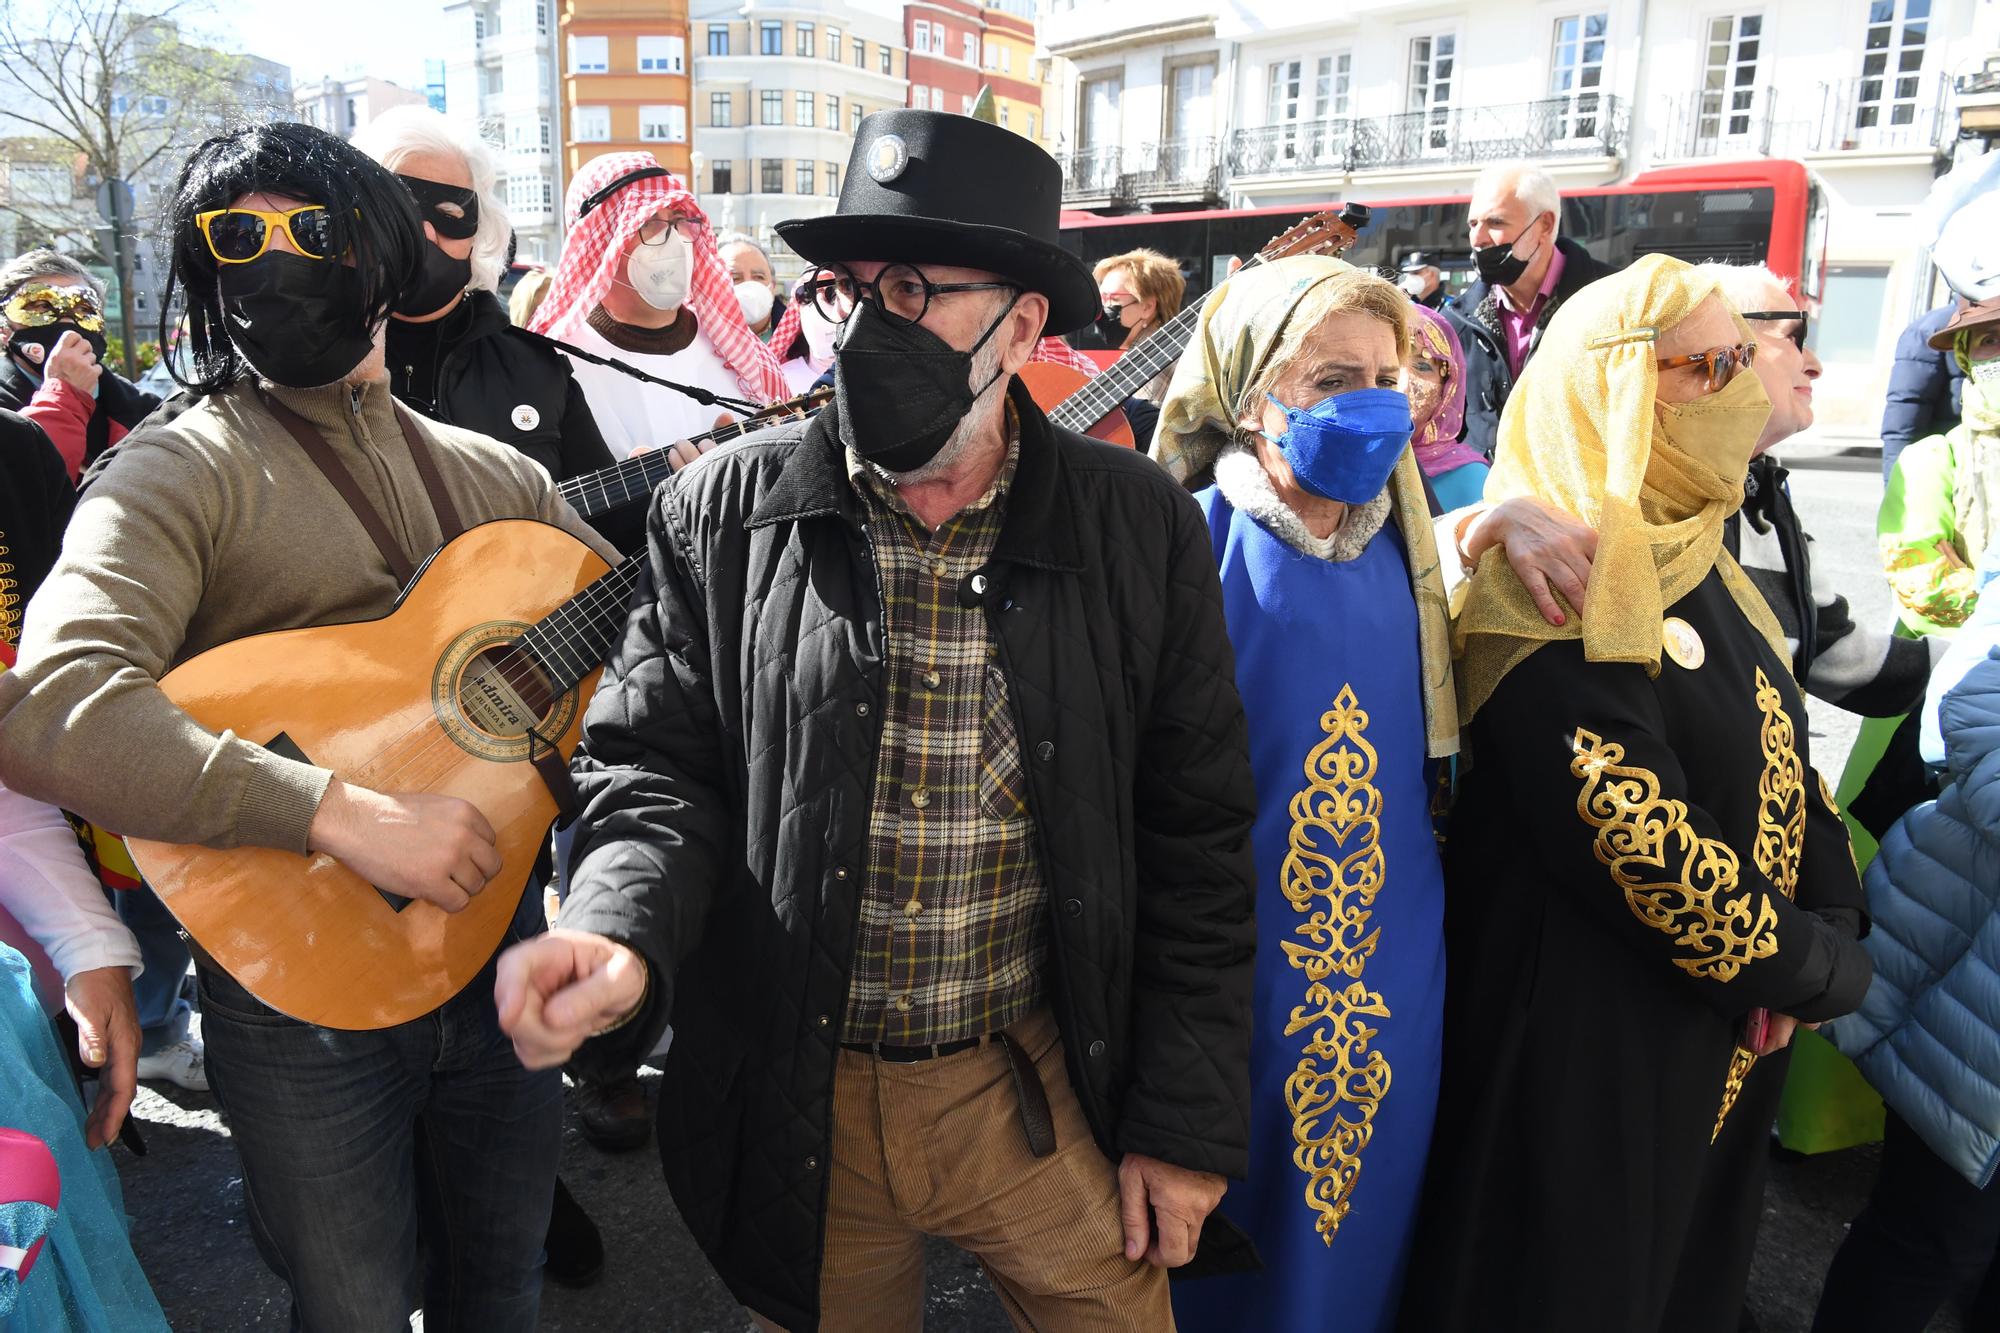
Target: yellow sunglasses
40,305
239,235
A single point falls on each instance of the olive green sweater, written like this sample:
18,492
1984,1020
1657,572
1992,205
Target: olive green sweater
209,528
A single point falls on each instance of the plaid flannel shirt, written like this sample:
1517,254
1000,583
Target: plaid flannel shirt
953,937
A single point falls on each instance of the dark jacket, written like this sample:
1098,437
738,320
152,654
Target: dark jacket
35,503
1475,313
728,760
1924,386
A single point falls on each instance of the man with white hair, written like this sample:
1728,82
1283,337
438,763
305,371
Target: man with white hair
756,283
53,372
1526,271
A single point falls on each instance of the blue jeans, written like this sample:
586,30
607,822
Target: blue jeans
161,990
383,1170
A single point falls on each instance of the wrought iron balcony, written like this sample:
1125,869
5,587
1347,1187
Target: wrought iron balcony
1584,125
1185,169
1906,113
1093,175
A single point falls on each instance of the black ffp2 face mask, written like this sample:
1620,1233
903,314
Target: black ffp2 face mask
46,336
297,321
901,390
1499,266
440,281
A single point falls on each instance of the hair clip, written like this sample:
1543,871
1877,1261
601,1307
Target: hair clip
1644,333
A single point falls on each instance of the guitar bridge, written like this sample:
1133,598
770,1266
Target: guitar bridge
284,746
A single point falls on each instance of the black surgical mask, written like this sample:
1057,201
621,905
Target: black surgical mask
46,336
1499,266
440,281
297,321
1111,325
902,390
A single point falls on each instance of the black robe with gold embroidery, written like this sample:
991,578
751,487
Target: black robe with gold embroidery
1635,863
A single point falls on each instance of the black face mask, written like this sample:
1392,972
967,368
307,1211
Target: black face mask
46,336
1111,326
297,321
902,390
440,281
1498,265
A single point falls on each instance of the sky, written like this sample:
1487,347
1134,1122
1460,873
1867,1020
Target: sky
390,39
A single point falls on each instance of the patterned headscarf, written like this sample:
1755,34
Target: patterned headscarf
1579,434
1242,321
594,254
1436,443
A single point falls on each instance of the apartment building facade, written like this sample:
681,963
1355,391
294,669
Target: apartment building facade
957,48
1169,104
500,81
342,106
779,90
626,81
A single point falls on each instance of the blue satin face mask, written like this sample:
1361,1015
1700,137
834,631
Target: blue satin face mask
1345,447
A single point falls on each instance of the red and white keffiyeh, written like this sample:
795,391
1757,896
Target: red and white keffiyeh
594,253
1060,352
1048,349
787,330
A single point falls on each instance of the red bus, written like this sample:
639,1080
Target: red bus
1761,211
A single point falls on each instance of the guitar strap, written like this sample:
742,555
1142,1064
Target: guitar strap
321,453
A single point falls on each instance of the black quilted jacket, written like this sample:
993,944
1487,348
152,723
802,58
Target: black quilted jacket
727,761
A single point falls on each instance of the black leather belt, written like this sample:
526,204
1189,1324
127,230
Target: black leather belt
909,1055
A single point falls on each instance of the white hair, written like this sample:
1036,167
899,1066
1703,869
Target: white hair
729,238
1743,285
43,262
405,131
1531,185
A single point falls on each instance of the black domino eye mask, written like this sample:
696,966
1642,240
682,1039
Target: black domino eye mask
452,224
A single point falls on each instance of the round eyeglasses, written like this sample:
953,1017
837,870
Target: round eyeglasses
899,291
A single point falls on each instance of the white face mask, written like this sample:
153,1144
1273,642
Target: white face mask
756,299
819,334
1413,283
659,273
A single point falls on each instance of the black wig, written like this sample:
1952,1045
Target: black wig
374,221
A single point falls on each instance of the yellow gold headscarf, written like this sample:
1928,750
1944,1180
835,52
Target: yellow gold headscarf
1579,433
1242,322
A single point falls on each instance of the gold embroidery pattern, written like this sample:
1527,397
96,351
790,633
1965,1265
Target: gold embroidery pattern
1674,879
1739,1069
1826,794
10,600
1332,873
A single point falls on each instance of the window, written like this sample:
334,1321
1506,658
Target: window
592,124
1729,77
1433,67
663,124
1003,115
1283,87
771,174
771,38
802,181
545,133
718,39
971,48
771,104
721,111
920,36
920,97
1099,100
1576,72
589,55
888,59
1892,63
541,16
832,112
1190,100
478,25
1850,322
860,54
802,109
1031,124
662,55
1332,85
992,60
965,105
719,178
854,117
832,42
803,37
833,178
1006,60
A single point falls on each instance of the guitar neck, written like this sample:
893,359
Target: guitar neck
1134,368
639,476
571,641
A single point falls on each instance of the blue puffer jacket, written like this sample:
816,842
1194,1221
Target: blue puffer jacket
1928,1033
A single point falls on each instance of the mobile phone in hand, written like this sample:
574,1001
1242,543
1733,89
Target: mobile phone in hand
1756,1030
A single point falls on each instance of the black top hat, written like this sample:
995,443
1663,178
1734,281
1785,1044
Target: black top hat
928,187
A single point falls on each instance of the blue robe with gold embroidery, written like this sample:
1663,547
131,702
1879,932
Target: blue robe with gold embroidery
1350,952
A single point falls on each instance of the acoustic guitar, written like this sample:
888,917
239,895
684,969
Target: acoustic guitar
488,658
1089,404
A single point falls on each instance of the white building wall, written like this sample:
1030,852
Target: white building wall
502,85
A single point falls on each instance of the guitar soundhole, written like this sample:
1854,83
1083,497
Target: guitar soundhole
503,693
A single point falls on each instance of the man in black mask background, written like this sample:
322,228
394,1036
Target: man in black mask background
918,798
54,373
1526,271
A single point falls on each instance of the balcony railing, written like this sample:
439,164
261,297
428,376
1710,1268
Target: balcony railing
1586,125
1179,169
1093,174
1888,114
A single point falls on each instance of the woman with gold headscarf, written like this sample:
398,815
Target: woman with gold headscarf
1285,417
1649,885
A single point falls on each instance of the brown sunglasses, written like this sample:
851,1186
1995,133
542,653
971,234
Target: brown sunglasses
1719,363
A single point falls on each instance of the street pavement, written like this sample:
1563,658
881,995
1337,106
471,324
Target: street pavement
186,1196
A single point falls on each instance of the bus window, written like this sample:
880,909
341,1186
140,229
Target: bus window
1815,251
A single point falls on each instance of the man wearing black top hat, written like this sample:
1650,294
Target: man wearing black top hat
917,799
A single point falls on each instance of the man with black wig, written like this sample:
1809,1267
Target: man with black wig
291,247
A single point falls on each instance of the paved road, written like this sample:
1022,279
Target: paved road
187,1195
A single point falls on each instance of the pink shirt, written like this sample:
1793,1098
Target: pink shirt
1518,326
